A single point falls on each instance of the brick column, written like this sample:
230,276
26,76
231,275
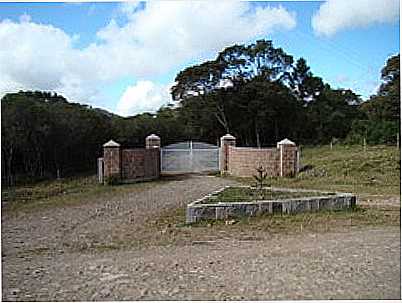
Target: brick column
226,141
287,158
111,159
153,142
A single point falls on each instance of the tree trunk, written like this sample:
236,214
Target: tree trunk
257,135
221,117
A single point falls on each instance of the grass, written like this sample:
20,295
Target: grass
65,192
346,169
239,194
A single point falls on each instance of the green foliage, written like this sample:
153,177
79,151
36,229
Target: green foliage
375,132
260,177
381,111
43,133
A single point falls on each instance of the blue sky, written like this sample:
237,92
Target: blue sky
124,57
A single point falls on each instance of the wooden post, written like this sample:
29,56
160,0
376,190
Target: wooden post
397,140
364,145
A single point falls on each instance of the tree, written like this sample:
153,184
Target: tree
205,91
385,105
332,114
381,113
304,85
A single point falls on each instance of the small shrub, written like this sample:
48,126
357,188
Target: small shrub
260,177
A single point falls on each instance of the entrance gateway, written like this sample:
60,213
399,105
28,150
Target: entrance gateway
189,157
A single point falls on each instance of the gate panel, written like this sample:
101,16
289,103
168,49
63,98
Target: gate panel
189,157
175,160
205,160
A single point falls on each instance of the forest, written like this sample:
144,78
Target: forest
256,92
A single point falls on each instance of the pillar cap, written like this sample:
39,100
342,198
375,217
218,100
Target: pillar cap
285,141
111,143
228,137
153,136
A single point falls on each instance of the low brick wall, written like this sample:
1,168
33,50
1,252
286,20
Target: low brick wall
243,161
130,164
197,211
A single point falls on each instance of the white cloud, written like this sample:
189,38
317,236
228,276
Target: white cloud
337,15
157,37
144,96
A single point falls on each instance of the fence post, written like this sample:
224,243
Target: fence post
287,150
111,160
100,170
226,141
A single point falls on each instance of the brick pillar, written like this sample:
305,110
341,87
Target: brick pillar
152,141
226,141
287,158
111,159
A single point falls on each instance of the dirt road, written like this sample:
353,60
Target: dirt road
103,250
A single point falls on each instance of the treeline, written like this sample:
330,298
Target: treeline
255,92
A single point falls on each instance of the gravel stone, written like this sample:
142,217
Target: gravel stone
356,263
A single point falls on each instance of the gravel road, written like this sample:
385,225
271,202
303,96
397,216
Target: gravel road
55,254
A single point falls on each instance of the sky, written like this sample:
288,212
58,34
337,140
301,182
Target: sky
124,56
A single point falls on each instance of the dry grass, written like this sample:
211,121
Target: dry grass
66,192
346,169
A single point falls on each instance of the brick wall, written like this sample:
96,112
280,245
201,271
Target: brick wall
130,164
243,161
140,164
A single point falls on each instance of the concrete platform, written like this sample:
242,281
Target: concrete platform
324,200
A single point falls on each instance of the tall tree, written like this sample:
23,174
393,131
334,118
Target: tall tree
304,85
385,105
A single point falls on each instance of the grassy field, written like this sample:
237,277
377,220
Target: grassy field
346,168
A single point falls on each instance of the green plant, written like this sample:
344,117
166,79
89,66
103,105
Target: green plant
261,176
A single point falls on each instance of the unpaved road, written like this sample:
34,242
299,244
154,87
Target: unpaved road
80,253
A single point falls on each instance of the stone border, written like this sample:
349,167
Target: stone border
197,211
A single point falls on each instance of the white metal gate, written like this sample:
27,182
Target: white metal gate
187,157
